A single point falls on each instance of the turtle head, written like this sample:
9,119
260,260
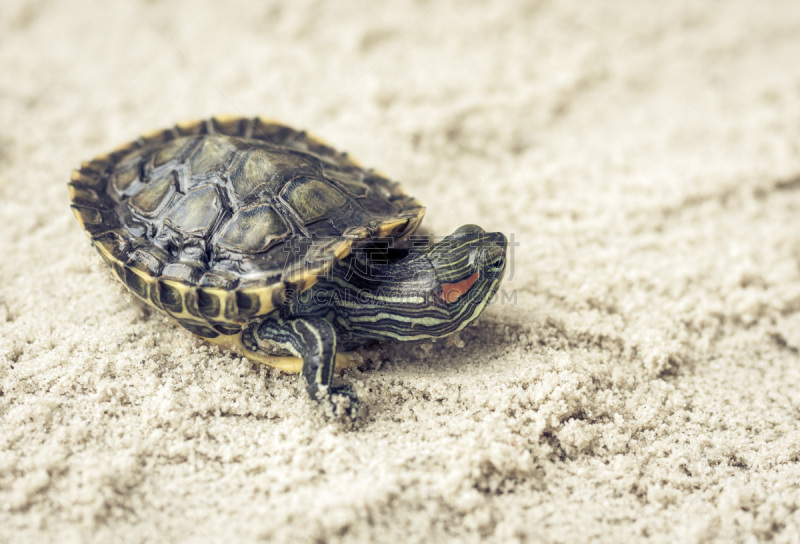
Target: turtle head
427,294
468,266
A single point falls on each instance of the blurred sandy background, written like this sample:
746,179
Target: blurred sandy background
644,384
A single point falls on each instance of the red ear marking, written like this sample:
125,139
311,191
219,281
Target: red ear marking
452,291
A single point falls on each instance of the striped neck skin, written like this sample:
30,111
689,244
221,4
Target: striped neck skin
430,293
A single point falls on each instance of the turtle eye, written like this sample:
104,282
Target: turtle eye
495,264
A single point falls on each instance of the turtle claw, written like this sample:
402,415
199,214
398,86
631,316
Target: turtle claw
344,401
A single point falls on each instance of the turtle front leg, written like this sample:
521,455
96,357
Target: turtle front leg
313,339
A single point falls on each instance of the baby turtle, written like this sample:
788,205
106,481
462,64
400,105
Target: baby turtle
264,240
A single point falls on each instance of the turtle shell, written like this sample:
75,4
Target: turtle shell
215,222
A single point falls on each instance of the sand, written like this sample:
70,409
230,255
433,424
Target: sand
638,381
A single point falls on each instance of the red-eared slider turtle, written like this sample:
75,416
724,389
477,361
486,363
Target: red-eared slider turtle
264,240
